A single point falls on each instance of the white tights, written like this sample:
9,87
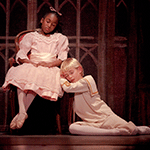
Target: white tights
90,130
24,100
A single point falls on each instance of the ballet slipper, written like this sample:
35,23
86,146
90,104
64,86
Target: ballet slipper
21,122
143,129
13,124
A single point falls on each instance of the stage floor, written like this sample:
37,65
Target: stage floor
71,142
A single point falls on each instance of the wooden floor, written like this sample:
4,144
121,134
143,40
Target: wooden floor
72,142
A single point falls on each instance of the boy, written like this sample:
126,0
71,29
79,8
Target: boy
97,117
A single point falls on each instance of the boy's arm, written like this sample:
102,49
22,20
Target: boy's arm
77,87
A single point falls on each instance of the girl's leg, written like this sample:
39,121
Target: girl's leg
21,100
22,116
24,103
17,120
90,130
29,99
13,124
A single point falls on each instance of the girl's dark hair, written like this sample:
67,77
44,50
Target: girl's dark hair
58,27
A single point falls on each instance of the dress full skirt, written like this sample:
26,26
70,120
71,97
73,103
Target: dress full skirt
42,80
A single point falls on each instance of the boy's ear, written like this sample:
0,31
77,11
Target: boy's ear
80,69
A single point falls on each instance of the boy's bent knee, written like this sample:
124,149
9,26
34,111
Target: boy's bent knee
73,128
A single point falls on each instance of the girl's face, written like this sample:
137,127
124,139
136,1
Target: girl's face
49,23
73,74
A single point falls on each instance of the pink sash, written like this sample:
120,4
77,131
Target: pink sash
39,57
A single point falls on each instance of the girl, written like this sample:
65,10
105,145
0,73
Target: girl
39,74
97,116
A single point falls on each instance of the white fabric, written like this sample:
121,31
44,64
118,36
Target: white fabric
89,130
39,57
44,81
97,117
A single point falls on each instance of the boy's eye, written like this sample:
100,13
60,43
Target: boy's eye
66,76
71,72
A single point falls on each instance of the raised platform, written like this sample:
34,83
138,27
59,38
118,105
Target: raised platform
71,142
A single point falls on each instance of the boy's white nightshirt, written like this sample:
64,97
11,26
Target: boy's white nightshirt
91,109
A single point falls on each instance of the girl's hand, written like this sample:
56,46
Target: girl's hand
44,64
34,64
21,61
55,63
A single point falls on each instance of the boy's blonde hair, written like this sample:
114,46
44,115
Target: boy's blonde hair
69,63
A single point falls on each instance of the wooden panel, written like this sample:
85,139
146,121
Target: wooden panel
110,52
32,14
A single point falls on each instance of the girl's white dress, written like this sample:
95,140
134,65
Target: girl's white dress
42,80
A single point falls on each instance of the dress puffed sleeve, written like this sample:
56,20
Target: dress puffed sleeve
25,47
63,47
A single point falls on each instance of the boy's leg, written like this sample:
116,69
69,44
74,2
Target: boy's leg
143,130
90,130
117,122
114,121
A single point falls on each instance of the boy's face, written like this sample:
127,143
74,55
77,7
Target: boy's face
73,74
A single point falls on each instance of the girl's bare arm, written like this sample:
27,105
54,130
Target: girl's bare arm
55,63
21,61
